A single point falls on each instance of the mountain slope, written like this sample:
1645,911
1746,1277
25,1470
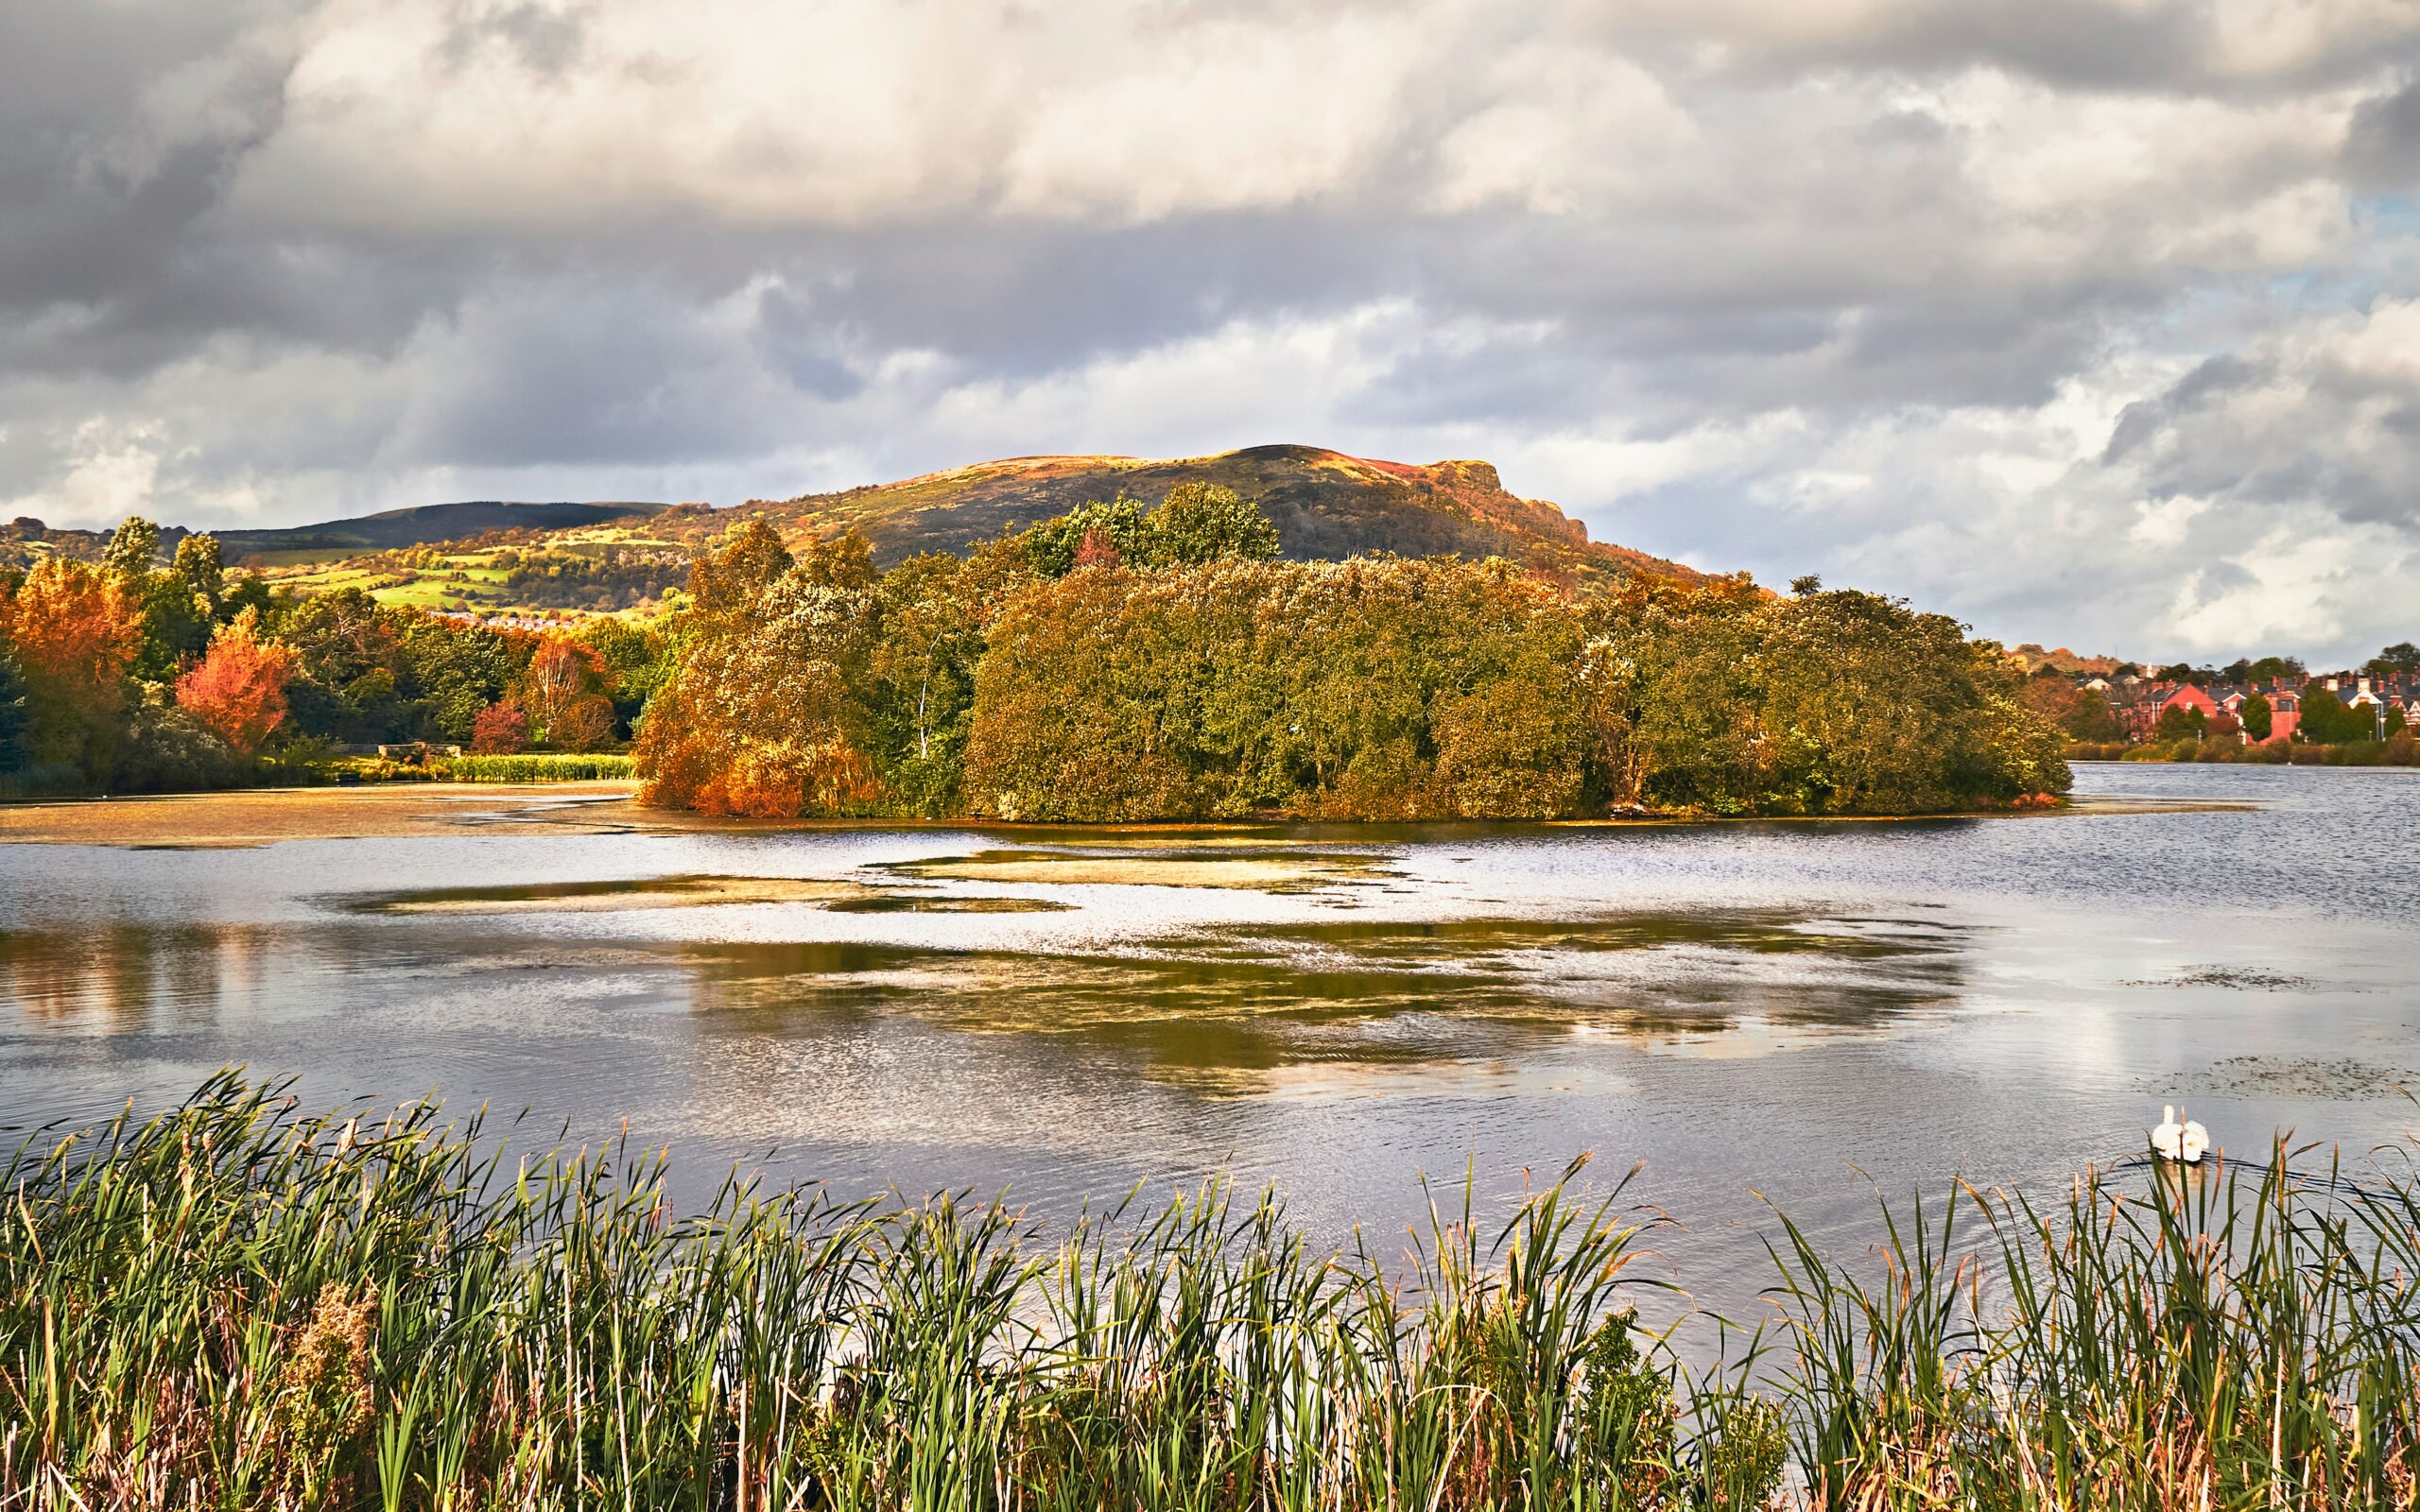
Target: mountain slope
1325,503
419,526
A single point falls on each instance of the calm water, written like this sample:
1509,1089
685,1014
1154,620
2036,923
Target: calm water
1761,1010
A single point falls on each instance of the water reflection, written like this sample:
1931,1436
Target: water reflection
1068,1013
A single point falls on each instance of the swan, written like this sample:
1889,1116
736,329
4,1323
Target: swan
2195,1143
2185,1143
2167,1140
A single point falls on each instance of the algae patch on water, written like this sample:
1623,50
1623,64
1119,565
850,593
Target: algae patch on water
616,895
918,902
1274,870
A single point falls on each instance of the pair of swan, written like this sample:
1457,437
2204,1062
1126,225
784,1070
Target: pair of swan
2183,1143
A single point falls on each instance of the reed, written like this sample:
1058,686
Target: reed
534,766
237,1303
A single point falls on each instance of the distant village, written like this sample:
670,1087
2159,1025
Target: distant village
2269,702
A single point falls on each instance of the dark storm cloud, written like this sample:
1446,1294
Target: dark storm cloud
2382,149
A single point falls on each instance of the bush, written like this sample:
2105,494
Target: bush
167,749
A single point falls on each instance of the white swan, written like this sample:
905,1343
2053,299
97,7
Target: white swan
2185,1143
2195,1143
2168,1140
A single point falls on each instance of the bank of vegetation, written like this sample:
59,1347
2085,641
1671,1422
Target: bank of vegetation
2399,749
1124,662
235,1304
135,674
1128,661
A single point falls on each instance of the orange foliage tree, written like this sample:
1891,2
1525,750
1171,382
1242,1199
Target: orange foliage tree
238,687
74,631
760,718
562,673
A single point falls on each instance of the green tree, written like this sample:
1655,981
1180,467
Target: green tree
199,566
1196,523
2259,718
1050,548
12,713
2181,722
2403,655
2327,720
132,549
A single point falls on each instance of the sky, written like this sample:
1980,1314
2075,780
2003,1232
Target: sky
2094,322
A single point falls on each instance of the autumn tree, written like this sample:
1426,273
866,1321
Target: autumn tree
586,724
763,714
73,631
238,689
562,673
500,729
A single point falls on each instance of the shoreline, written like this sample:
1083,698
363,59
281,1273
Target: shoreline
246,819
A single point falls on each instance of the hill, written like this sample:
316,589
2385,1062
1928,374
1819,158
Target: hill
1325,503
417,526
494,558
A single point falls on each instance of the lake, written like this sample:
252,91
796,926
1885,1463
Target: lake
1755,1010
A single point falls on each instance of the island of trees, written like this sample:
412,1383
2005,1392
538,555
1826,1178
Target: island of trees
1124,662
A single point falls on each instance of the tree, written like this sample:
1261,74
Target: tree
2327,720
12,713
2403,655
2181,722
500,728
750,559
238,690
561,673
134,547
1196,523
74,631
352,674
177,626
199,565
766,709
587,723
2259,718
2081,713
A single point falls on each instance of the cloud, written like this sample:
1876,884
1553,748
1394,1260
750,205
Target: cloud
1958,301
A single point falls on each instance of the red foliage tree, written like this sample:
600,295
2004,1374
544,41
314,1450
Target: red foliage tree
500,728
238,688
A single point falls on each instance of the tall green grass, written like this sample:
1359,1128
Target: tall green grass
236,1304
535,767
2223,1337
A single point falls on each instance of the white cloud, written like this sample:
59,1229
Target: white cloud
2052,316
